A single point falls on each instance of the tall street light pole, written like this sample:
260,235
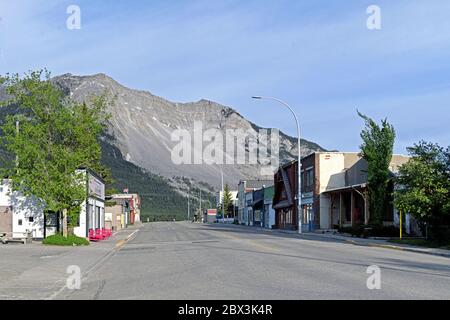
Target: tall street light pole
200,213
189,205
299,195
223,200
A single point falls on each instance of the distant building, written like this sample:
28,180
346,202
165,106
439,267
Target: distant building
248,210
244,187
210,216
219,199
132,203
115,212
269,212
258,207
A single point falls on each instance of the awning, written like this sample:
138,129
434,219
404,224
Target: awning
258,202
282,204
346,188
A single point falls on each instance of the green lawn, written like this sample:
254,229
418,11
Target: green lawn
421,243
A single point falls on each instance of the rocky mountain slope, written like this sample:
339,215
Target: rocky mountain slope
142,125
138,145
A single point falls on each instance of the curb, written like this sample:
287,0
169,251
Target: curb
408,249
356,243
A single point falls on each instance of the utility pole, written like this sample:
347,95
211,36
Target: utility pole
189,208
299,158
200,213
223,200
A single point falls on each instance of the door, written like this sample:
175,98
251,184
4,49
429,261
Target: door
6,219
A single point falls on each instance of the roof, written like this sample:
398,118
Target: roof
258,184
361,185
92,172
122,196
292,162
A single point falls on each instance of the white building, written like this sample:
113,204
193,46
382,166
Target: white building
219,198
20,214
92,214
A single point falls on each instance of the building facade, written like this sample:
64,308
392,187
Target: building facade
269,212
334,191
92,215
285,197
115,215
244,187
132,207
248,212
258,207
234,197
20,214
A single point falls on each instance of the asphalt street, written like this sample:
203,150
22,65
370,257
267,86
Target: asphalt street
195,261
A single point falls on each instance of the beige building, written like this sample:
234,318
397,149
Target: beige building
115,217
334,192
341,189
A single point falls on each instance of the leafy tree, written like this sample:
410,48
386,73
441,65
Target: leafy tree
51,137
377,149
424,188
227,200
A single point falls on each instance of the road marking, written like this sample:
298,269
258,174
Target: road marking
385,246
132,234
266,248
120,243
118,246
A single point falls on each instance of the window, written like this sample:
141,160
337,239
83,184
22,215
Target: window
98,217
30,219
20,222
308,178
307,213
91,216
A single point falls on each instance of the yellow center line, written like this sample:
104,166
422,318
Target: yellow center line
253,243
120,243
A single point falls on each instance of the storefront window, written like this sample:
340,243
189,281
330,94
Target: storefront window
91,216
307,213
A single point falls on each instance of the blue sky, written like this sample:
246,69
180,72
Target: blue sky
317,55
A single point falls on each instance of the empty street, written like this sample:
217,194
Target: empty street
195,261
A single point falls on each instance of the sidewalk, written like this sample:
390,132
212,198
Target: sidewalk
369,242
36,270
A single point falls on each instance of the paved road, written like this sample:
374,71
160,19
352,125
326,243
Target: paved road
191,261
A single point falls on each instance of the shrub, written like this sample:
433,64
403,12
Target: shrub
371,231
355,231
59,240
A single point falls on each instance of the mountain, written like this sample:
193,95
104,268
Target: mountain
138,144
142,125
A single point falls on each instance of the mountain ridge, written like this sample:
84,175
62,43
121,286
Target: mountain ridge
139,114
137,144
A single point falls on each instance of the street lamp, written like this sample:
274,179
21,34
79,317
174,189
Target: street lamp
299,195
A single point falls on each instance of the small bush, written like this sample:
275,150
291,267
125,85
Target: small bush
355,231
366,231
383,231
440,234
59,240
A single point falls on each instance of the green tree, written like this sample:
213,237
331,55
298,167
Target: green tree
424,188
377,149
51,137
227,200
